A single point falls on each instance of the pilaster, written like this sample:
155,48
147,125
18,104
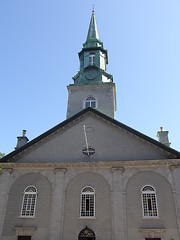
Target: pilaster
174,174
57,215
5,177
118,208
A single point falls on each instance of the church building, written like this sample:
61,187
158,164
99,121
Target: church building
91,177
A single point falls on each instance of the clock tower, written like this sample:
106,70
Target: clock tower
93,86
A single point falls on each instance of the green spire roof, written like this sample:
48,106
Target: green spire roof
93,32
93,39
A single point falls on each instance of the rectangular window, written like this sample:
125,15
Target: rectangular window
87,104
29,204
87,205
93,104
24,237
92,59
149,204
153,238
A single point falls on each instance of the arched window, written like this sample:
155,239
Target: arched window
90,102
29,202
86,234
87,202
149,202
92,58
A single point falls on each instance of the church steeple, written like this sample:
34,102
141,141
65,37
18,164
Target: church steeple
93,85
93,59
92,36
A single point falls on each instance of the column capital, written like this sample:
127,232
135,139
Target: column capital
118,168
60,170
9,170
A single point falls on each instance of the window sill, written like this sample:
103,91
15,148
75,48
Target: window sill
27,217
87,218
150,218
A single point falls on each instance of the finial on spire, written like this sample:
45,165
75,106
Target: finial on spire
93,8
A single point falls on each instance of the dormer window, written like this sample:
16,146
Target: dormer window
90,102
92,58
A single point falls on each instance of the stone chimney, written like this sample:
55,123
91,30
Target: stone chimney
22,140
163,137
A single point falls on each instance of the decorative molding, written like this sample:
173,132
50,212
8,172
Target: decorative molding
57,170
152,232
118,168
174,166
10,170
113,165
25,231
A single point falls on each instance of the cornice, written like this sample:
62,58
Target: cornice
96,85
113,165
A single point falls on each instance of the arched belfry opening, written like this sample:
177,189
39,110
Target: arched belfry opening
86,234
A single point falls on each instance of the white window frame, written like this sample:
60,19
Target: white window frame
149,197
90,101
92,57
29,202
87,195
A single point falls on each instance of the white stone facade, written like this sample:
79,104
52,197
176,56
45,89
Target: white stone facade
118,206
105,95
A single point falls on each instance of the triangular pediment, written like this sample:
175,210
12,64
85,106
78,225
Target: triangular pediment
108,139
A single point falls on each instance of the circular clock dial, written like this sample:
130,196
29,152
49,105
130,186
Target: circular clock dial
91,74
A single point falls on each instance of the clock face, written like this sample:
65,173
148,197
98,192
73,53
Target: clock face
91,74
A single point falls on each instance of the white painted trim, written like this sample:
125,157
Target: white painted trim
87,193
24,194
92,58
84,101
156,205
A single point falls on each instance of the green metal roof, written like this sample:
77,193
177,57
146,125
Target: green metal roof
93,39
93,31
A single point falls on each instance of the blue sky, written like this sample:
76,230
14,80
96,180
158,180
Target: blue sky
39,45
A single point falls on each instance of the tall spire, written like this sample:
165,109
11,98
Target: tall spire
93,39
93,32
